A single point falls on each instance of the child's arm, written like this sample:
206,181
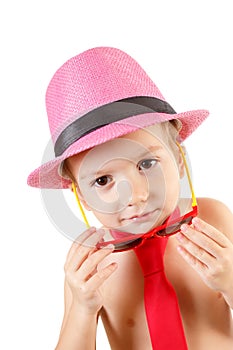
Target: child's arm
79,331
83,299
208,248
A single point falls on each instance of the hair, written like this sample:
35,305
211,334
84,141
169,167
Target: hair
171,132
172,129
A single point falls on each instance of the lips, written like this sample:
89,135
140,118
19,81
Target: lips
140,217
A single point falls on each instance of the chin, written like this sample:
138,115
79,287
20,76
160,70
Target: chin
136,228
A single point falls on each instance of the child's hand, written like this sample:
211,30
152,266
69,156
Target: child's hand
81,272
210,253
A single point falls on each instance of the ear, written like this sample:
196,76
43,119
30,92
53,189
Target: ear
80,197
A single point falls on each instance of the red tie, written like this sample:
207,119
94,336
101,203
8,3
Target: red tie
161,305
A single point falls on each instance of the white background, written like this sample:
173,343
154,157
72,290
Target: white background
185,46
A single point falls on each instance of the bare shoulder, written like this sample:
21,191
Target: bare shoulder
217,214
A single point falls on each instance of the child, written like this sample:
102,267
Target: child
117,146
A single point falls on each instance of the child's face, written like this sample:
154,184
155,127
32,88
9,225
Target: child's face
130,183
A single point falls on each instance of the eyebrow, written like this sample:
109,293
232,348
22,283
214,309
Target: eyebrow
150,149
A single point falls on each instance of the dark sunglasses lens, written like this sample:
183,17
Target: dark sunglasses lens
175,227
127,245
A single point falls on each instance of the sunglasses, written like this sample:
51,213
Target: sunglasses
124,241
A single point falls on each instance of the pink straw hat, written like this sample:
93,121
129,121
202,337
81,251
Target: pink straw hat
97,96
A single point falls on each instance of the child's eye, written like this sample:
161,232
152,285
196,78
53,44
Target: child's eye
102,180
146,164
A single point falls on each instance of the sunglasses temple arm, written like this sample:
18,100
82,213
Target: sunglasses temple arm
194,201
80,206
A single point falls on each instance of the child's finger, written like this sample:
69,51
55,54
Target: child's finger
93,239
195,263
100,277
90,265
76,243
82,251
211,232
196,252
190,236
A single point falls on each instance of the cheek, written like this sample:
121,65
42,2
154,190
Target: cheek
112,199
171,182
109,196
173,193
157,187
164,183
107,220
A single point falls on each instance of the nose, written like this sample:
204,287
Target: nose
139,189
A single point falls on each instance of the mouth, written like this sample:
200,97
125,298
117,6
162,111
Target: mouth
140,217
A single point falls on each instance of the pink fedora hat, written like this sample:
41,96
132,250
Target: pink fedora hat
97,96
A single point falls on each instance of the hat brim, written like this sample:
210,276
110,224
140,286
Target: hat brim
47,175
